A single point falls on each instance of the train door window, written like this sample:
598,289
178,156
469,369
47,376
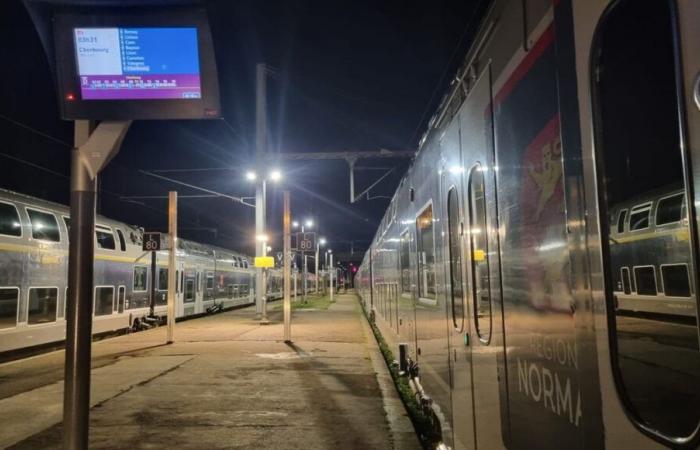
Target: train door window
405,262
670,209
676,280
197,283
162,279
626,284
122,241
177,281
182,280
66,221
104,300
639,217
9,299
210,280
140,278
121,299
105,238
10,224
639,153
43,302
621,221
426,254
44,226
454,220
478,243
645,280
229,291
189,291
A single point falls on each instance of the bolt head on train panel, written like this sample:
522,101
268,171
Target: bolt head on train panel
136,62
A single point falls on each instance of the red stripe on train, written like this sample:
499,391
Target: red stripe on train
526,64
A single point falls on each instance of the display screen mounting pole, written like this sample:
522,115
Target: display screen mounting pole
94,147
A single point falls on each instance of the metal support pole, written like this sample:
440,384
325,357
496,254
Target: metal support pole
287,222
263,314
94,147
296,275
172,263
306,265
154,278
260,149
316,266
76,396
331,275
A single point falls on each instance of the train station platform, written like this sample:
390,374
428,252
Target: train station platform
226,383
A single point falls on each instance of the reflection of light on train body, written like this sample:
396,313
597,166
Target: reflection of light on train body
555,245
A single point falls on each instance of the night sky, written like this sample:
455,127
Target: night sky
349,76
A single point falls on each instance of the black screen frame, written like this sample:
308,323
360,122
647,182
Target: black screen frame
68,84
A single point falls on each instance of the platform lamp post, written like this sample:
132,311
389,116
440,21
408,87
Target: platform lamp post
260,243
320,243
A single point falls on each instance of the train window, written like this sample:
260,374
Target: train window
426,254
404,260
9,299
122,241
676,280
670,209
639,154
454,220
162,279
104,300
626,283
645,280
9,220
621,221
189,291
105,238
478,240
210,280
44,226
66,220
140,278
229,291
639,217
42,305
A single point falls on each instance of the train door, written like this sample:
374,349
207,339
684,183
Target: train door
459,354
646,152
121,298
179,289
481,243
199,291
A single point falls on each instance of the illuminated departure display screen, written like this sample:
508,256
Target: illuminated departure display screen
138,63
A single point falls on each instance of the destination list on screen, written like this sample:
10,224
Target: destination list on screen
138,63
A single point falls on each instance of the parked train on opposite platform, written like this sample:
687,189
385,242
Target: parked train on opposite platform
34,268
540,256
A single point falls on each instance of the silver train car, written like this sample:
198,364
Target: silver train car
501,258
649,256
34,268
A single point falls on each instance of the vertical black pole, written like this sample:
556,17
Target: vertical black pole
76,397
154,280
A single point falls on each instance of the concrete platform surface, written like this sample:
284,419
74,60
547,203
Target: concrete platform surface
226,383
